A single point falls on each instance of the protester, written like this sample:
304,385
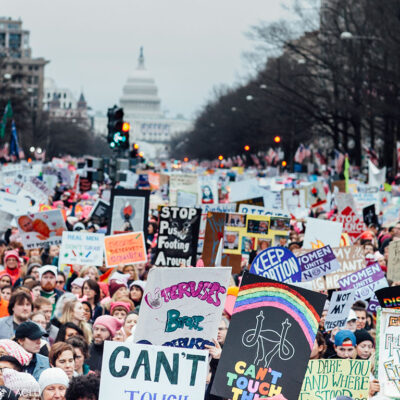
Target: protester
91,290
22,384
81,354
74,312
345,344
53,384
365,344
48,280
84,388
12,266
62,356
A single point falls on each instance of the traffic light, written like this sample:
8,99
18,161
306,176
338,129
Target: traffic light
135,151
247,147
277,139
118,130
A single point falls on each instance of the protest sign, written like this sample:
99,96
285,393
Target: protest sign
206,208
389,297
5,220
316,195
393,269
177,236
350,258
208,190
257,210
364,282
369,215
270,337
246,189
34,188
328,379
320,233
82,248
318,263
41,229
387,364
14,204
277,263
129,211
339,308
124,249
99,213
344,200
294,199
186,199
152,372
182,307
372,305
184,182
352,224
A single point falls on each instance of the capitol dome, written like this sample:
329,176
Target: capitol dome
140,94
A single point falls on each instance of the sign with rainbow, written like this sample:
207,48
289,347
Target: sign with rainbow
269,341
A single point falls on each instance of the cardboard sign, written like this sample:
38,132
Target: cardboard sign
184,182
133,371
387,352
364,282
257,210
369,215
5,220
316,195
82,248
350,258
339,309
100,212
14,204
318,263
177,236
344,200
353,225
41,229
182,307
269,341
208,191
277,263
328,379
393,270
320,233
186,199
389,297
34,188
124,249
294,199
129,211
373,305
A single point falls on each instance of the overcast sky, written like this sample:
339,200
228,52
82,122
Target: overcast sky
189,45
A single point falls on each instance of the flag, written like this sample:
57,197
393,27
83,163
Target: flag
376,176
339,160
319,158
346,173
301,154
7,114
371,154
14,146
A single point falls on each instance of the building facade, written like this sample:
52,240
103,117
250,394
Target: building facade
150,128
17,64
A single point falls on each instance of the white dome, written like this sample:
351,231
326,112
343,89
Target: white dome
140,94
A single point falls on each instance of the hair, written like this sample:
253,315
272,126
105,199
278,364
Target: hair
357,308
12,360
31,285
62,330
68,316
90,307
59,273
57,349
135,274
28,277
84,386
6,287
321,342
18,298
41,301
78,342
94,286
85,270
37,313
225,321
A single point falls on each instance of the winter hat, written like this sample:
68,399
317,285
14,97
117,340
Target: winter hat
104,288
362,336
122,304
117,276
344,335
12,254
79,281
109,322
20,383
138,283
352,315
115,285
47,268
15,350
7,394
52,376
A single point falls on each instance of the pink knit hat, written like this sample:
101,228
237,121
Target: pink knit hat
123,304
12,253
20,383
15,350
115,285
109,322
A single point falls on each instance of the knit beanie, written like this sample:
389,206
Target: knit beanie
362,336
138,283
109,322
12,254
123,304
115,285
15,350
52,376
20,383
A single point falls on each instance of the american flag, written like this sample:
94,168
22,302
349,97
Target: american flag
272,157
339,160
372,155
301,154
255,159
319,158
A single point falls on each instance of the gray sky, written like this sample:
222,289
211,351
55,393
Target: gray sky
189,45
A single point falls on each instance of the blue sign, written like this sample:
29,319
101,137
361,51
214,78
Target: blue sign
277,263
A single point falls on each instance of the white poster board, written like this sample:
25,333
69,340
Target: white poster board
320,233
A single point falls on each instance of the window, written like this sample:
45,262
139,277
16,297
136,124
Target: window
48,95
2,39
13,26
65,95
14,41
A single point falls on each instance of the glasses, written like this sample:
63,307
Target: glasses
60,282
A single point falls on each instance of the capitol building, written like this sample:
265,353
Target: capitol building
142,109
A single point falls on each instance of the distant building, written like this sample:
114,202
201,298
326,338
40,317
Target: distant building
61,103
17,64
142,109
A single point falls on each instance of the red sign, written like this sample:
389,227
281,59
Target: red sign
353,225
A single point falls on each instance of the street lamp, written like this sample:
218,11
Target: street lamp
263,86
350,36
7,76
249,97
